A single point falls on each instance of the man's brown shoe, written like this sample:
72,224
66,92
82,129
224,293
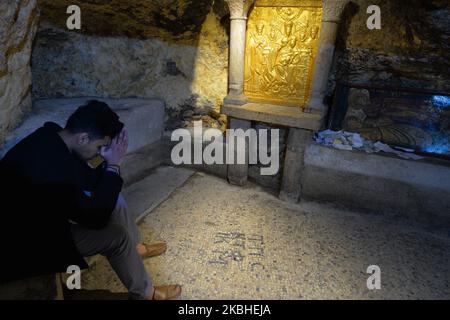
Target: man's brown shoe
154,249
166,292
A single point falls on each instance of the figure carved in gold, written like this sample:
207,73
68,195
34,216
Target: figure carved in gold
255,59
281,46
314,33
287,55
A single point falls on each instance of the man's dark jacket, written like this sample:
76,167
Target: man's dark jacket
42,194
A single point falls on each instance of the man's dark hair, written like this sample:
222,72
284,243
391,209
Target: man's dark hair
95,118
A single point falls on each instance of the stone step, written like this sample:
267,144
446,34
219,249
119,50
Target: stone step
139,164
145,195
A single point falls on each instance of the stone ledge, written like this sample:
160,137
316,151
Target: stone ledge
144,118
418,190
275,114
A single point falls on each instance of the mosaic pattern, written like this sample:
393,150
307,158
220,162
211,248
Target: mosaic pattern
274,250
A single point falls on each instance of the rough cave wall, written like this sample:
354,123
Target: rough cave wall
178,50
173,50
18,24
411,50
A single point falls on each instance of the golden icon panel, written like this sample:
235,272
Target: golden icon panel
281,48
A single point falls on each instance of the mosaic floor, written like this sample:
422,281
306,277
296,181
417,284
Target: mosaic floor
228,242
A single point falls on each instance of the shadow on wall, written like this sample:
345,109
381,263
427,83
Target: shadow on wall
174,51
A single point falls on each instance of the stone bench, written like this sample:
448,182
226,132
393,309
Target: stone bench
143,118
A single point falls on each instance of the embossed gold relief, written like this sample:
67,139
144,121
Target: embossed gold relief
280,52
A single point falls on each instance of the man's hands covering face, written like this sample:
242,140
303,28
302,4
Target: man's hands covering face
115,153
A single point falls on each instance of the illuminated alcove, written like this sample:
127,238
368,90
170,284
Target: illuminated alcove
281,54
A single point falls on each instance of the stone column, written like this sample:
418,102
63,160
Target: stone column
238,173
332,12
238,16
291,185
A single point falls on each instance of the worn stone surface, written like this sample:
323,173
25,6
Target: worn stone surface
146,194
228,242
412,49
275,115
18,24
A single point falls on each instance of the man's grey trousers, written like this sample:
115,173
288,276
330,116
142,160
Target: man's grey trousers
117,242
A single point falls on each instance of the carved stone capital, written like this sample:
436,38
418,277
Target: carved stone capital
332,10
239,8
